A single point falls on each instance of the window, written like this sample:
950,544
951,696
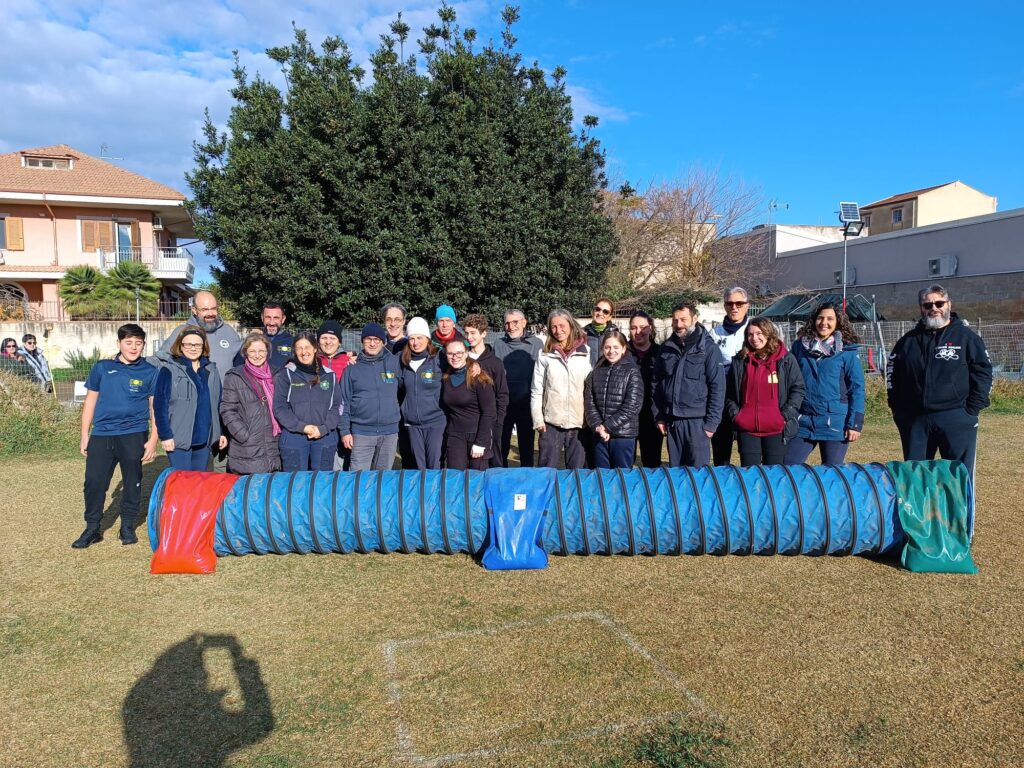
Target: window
97,235
53,163
12,234
867,220
897,215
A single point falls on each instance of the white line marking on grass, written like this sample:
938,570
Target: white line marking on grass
404,743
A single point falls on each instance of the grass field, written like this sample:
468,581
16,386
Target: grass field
278,662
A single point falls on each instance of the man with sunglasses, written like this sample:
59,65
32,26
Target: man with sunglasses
729,338
938,379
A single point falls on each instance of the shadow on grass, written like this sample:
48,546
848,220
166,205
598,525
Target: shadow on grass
150,472
175,716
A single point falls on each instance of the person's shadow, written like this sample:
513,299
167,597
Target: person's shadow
173,717
150,472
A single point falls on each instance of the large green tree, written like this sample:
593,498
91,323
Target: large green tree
455,176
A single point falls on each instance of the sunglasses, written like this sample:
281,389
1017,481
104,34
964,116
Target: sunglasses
736,303
602,310
12,346
929,304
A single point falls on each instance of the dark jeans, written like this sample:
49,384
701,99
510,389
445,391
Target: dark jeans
953,434
554,439
721,443
832,451
650,441
688,443
496,439
457,450
518,416
405,449
617,453
196,458
299,453
760,450
104,453
426,445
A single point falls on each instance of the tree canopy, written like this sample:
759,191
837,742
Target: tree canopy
457,178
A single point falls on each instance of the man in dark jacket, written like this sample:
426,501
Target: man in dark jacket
281,341
689,389
474,328
518,350
938,379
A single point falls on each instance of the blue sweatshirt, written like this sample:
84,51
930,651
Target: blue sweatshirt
369,396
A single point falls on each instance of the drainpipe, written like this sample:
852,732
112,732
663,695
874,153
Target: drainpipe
53,221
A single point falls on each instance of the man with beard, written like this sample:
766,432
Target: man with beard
689,389
938,379
224,340
281,340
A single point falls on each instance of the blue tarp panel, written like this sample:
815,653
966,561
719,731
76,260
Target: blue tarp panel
848,509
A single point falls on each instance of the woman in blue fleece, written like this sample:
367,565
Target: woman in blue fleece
422,415
186,404
306,405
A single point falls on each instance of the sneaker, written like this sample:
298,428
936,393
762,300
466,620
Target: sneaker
89,536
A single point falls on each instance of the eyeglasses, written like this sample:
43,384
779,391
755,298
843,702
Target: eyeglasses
929,304
192,345
456,355
602,310
736,303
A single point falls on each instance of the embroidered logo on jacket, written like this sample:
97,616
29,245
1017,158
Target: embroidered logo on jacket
948,352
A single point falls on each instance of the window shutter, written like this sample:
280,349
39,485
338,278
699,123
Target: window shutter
15,235
136,234
105,234
89,236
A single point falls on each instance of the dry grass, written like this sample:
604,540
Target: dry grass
801,661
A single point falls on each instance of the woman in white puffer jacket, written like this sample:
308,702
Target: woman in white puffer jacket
556,396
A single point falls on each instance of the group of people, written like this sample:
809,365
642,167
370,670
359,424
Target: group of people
26,360
450,397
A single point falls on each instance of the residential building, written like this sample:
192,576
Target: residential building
922,207
60,207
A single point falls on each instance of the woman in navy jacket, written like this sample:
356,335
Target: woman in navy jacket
832,413
422,415
306,405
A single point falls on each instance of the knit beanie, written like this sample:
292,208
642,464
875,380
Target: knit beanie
417,327
374,329
445,311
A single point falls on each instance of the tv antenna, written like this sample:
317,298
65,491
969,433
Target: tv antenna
104,148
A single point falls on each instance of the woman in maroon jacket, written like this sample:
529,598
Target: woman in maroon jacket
467,395
763,393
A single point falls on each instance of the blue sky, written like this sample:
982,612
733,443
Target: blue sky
796,99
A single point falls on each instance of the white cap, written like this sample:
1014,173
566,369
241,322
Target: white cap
417,327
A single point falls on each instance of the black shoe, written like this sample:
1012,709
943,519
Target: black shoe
89,536
127,536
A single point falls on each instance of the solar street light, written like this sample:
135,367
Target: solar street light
849,217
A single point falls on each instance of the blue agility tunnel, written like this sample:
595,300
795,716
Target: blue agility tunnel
851,509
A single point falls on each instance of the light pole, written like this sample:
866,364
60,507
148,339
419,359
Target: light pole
849,217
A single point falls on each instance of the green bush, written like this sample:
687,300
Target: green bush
34,422
1007,397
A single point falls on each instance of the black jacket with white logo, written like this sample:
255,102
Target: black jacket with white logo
938,370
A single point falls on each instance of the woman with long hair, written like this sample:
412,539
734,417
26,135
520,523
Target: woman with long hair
247,410
763,393
832,413
470,404
306,402
613,396
556,395
186,403
644,350
423,417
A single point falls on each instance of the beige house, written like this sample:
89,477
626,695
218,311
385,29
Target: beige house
60,207
931,205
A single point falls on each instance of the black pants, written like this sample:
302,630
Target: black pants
721,443
518,416
553,440
405,449
650,440
496,439
952,434
104,453
457,449
760,450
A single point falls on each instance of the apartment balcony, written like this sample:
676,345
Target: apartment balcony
176,264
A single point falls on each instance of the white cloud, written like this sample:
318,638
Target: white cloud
584,102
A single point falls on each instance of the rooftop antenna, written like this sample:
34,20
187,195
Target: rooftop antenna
104,148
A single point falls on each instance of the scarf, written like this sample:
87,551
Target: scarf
599,328
264,378
819,348
731,327
566,354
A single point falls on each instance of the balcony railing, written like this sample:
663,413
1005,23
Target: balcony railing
168,263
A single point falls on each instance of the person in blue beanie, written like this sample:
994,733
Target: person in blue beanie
446,329
369,403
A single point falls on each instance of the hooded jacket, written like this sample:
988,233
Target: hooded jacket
833,393
299,401
614,397
788,388
245,413
369,396
938,370
493,367
224,344
421,394
689,380
176,399
556,394
519,356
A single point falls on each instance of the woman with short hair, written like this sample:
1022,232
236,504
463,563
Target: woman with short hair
556,395
763,393
306,405
186,403
832,413
247,410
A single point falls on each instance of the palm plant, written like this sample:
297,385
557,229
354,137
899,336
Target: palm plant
128,281
80,290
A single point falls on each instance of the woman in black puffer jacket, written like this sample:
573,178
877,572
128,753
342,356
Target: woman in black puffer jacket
246,411
612,398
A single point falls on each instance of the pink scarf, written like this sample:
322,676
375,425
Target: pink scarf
265,378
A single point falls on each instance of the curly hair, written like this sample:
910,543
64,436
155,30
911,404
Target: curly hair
771,334
808,331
